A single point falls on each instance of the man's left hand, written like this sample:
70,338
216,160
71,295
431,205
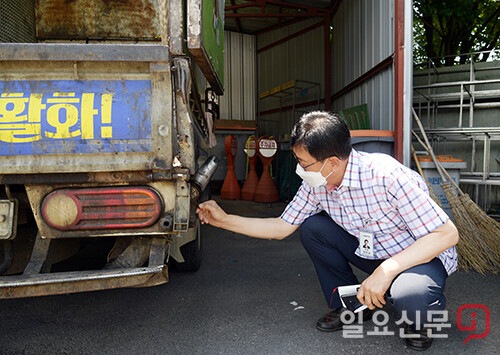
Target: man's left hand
373,289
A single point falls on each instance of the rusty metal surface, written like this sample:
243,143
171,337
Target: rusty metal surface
162,125
58,164
125,273
30,70
97,19
153,153
176,27
80,281
196,47
157,251
182,206
185,124
84,52
134,255
38,257
194,28
65,163
184,238
108,178
8,218
203,61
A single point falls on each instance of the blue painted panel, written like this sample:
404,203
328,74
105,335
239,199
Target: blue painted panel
64,117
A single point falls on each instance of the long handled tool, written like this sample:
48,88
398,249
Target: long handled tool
478,246
421,172
487,226
470,235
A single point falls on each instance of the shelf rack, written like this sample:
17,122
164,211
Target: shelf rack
465,95
289,100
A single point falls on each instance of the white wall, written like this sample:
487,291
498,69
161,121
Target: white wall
300,58
240,77
363,36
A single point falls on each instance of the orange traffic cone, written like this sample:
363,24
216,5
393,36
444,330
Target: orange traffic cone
248,190
266,190
231,188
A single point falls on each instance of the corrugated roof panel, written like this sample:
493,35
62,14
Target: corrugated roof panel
249,78
225,104
363,36
238,101
300,58
236,63
251,25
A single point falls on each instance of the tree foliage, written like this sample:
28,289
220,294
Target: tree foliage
452,27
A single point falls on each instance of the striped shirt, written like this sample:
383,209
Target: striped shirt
379,195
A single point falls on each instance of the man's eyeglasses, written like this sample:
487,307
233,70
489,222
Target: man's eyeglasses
307,166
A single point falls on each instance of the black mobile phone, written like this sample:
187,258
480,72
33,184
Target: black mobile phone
351,302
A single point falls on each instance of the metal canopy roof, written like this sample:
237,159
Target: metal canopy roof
254,17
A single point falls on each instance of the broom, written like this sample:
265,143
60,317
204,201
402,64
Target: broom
421,172
470,235
475,247
467,226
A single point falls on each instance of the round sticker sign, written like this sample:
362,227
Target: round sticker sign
250,147
267,147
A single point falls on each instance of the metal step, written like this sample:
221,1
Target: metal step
79,281
35,282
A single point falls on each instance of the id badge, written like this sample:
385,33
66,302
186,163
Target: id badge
366,242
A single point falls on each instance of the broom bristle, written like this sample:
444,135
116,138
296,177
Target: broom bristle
488,226
473,251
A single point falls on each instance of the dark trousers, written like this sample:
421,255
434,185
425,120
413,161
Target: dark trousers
331,249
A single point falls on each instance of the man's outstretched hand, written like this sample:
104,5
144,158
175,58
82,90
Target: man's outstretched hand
210,212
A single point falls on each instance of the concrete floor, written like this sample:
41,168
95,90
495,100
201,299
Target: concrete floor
239,302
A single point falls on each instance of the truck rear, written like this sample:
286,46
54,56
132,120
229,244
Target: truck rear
104,142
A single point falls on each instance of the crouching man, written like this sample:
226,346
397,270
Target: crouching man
363,209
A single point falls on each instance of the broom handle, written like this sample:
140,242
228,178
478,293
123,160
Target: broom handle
417,163
439,167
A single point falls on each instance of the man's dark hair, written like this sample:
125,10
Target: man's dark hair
322,134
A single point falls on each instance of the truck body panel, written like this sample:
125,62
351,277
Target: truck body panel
100,112
103,140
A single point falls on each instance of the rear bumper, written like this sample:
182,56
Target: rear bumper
80,281
34,282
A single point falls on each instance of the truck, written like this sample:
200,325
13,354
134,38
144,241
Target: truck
104,140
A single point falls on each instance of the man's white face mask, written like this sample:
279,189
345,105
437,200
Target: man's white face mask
314,178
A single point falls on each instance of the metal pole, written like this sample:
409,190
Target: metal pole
327,48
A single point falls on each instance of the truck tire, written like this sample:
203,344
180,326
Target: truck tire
191,252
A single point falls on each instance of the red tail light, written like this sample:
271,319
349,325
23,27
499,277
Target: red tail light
101,208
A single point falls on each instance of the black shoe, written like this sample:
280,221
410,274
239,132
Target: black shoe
421,343
331,321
